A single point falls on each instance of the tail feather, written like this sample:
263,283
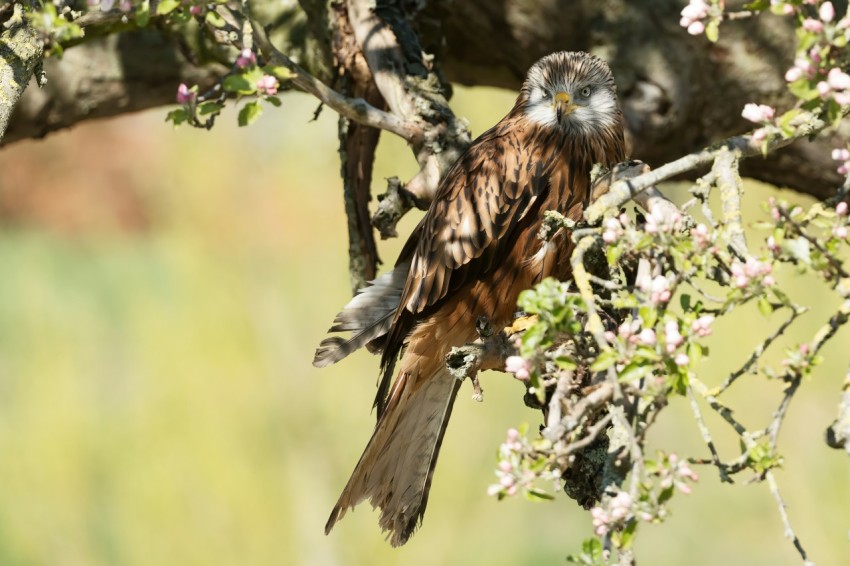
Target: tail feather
368,316
396,468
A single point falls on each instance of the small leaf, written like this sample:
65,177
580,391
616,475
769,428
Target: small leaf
273,100
534,494
712,31
765,308
177,116
249,113
166,6
604,361
238,84
209,107
685,301
214,19
280,72
143,14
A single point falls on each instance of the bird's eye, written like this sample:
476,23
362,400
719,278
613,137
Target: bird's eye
585,92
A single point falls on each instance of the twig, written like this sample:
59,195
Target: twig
355,109
757,353
783,513
623,191
706,436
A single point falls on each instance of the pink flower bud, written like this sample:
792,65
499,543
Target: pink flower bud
246,59
793,74
757,112
184,95
267,85
840,232
826,12
810,24
696,28
513,435
841,154
838,79
841,209
842,98
125,6
768,281
647,337
823,89
682,359
196,10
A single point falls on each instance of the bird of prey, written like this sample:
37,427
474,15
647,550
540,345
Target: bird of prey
471,255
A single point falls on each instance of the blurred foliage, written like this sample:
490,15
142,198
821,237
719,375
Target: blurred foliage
161,296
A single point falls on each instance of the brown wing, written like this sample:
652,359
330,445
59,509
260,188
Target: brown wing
469,227
479,204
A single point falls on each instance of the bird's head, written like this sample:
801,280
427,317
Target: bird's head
573,91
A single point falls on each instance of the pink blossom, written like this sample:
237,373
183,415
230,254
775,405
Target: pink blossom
842,169
840,232
759,135
267,85
700,234
841,154
621,506
647,337
757,112
125,5
184,95
682,359
842,98
826,12
804,65
613,231
696,10
793,74
696,28
659,290
494,489
838,79
841,209
519,366
246,59
772,245
196,10
843,23
702,325
768,281
823,89
814,54
813,25
672,337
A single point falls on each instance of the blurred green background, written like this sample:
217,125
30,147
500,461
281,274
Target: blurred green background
161,295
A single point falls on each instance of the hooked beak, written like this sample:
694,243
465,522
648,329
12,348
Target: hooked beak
563,106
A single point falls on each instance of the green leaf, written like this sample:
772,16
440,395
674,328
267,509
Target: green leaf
280,72
273,100
209,107
803,89
177,116
566,363
238,84
635,371
143,14
604,361
648,316
249,113
627,535
166,6
765,308
535,494
685,302
214,19
712,31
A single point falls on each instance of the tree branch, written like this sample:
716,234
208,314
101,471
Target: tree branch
20,52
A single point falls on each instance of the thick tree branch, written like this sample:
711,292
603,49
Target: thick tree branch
20,52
